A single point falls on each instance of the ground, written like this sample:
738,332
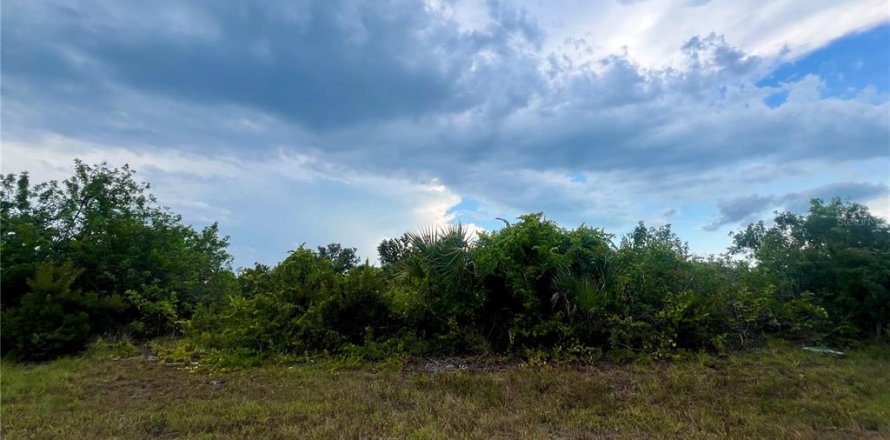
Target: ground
776,392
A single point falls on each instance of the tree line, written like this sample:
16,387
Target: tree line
97,255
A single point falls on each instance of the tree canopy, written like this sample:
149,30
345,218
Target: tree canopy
95,254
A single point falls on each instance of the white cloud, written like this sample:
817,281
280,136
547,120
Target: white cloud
347,130
651,32
269,205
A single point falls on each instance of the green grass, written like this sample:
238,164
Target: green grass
779,392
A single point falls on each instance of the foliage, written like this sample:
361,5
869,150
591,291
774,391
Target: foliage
53,319
304,304
393,250
95,255
115,261
526,269
342,259
438,276
837,257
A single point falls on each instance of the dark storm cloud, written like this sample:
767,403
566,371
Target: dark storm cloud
396,88
745,209
740,210
320,64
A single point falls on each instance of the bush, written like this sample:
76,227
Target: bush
436,280
837,257
517,269
94,255
303,305
52,319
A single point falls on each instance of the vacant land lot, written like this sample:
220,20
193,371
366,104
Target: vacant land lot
772,393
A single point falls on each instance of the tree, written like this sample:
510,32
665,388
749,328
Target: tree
838,252
342,259
393,250
54,319
110,230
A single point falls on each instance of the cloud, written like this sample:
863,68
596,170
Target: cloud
654,31
349,120
746,209
665,216
269,206
741,210
320,64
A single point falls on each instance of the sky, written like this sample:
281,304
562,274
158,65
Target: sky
291,122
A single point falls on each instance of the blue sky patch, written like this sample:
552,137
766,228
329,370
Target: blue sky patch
846,66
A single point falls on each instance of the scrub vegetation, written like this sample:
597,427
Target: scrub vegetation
95,255
646,338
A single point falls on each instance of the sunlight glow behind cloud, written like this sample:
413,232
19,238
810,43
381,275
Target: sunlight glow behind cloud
345,120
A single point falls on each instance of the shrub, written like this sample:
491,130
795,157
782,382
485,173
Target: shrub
94,255
837,257
130,266
517,267
436,280
303,305
53,319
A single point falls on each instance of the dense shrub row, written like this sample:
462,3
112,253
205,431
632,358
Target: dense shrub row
95,256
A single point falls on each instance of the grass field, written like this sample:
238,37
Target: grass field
777,392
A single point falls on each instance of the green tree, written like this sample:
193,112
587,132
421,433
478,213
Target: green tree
121,243
342,259
52,318
518,268
393,250
838,253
